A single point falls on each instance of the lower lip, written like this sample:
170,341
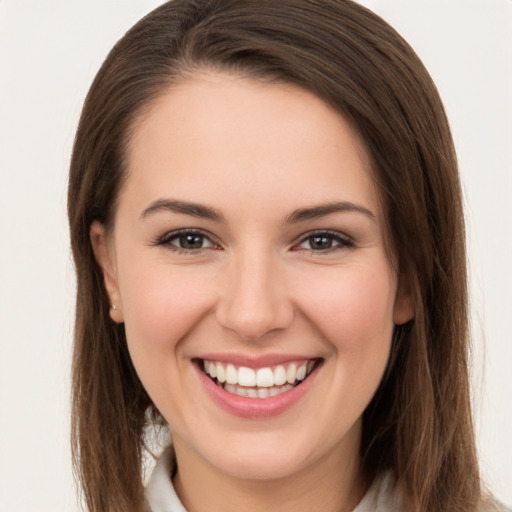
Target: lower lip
255,408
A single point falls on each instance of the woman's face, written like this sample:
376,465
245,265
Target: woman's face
248,246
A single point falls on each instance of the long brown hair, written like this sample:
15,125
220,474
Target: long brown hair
419,424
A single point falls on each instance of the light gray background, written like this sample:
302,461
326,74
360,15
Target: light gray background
49,53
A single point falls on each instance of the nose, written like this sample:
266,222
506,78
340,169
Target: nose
254,298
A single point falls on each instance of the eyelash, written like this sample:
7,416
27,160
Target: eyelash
341,242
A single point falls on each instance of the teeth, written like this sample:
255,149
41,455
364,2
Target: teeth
279,376
230,388
263,393
301,372
264,378
252,393
291,373
240,391
274,391
220,373
246,377
261,383
231,374
256,392
211,369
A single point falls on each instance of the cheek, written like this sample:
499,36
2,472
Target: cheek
161,304
354,314
354,308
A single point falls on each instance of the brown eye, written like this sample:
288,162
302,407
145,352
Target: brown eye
319,243
186,240
192,241
324,241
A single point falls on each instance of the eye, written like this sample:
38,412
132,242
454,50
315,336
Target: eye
187,240
324,241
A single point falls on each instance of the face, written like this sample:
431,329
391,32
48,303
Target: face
248,264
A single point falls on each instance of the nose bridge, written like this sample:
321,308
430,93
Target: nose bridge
254,300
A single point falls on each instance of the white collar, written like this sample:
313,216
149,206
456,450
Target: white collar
161,496
160,493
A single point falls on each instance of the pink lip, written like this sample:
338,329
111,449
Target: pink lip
256,408
255,362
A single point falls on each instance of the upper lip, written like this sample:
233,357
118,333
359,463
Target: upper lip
255,361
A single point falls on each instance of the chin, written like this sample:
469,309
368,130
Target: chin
267,456
261,468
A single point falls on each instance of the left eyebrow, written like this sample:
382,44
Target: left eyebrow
322,210
184,207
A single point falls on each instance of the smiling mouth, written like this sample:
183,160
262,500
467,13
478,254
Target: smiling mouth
258,383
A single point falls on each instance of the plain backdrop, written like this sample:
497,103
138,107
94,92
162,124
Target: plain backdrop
49,53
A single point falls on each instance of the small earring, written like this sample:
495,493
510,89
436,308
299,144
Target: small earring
113,306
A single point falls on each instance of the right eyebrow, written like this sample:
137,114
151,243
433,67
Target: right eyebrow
323,210
184,207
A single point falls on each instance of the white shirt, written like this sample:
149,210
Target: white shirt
161,496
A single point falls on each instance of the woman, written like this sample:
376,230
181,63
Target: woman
266,221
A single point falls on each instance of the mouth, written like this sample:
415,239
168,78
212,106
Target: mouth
258,383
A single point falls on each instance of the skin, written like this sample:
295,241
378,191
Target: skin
256,153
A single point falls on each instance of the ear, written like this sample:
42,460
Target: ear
104,257
404,309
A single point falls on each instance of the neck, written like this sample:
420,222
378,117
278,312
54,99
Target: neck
335,483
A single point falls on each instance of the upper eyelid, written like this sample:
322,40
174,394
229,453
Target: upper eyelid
170,235
330,232
181,231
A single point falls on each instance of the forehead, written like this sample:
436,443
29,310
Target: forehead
242,137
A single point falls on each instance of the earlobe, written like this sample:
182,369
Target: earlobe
404,308
104,258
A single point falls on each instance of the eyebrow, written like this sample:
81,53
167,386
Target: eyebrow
299,215
185,207
327,209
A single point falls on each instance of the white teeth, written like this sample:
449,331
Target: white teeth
246,377
256,392
231,374
264,378
240,391
274,391
212,369
230,388
279,376
220,373
301,372
263,393
291,373
261,383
